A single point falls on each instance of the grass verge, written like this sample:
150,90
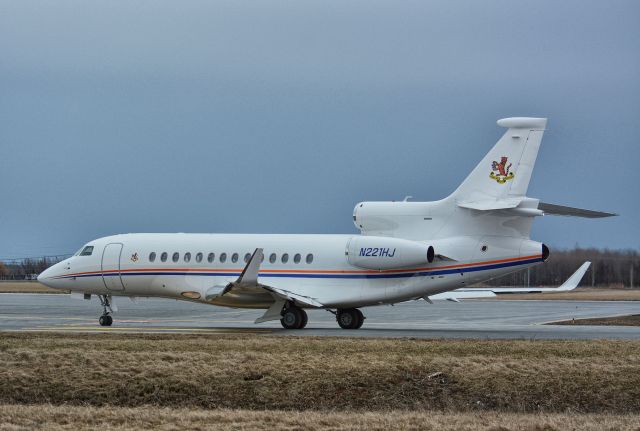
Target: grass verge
633,320
27,287
319,374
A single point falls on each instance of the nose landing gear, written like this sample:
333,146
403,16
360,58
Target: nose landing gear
349,318
105,319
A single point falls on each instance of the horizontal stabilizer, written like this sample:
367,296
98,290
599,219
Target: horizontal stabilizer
551,209
492,204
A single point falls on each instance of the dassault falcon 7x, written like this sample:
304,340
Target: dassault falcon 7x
405,251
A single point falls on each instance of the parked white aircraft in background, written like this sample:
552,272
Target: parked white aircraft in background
406,250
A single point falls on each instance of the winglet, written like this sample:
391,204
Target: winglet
249,275
573,281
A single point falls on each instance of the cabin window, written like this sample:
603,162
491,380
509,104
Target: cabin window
285,258
297,258
163,256
187,257
234,257
223,257
152,256
199,257
212,256
87,251
309,258
273,258
175,257
247,257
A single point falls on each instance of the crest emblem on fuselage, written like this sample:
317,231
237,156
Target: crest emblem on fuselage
501,171
134,257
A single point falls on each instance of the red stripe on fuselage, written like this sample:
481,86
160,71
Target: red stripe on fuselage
310,271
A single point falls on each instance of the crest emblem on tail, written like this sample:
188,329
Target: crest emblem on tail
502,174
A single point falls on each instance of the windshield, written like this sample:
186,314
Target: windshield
86,251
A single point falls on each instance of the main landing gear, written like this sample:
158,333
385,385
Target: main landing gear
105,319
349,318
293,318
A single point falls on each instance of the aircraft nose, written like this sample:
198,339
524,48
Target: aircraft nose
44,275
48,276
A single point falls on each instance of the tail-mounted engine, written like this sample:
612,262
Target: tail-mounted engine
375,252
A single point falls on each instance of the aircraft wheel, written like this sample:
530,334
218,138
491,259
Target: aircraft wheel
305,319
350,318
360,319
292,318
105,320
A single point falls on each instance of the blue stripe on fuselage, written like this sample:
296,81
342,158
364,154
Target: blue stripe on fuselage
340,276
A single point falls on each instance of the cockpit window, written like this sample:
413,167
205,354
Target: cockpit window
87,251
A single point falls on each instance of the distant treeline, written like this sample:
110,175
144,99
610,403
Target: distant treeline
609,268
28,268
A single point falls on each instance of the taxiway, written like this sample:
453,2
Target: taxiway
469,319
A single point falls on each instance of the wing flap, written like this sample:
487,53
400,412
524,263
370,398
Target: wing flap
294,297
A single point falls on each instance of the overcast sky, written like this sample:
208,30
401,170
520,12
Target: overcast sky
279,116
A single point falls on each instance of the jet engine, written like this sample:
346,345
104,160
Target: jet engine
377,252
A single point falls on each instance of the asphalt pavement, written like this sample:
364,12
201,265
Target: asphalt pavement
473,319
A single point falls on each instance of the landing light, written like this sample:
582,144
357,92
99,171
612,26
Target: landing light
191,295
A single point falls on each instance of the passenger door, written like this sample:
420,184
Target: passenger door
111,267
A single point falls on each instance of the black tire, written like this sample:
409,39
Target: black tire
304,320
347,318
291,318
105,320
360,319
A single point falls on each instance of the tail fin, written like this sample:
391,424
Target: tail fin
505,172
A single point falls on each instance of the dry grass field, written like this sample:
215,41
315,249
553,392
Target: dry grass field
50,417
633,320
26,287
118,381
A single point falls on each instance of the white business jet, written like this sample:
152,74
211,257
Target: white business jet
405,251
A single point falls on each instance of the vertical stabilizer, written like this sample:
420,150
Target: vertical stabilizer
505,172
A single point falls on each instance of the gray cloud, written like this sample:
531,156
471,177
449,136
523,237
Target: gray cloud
280,116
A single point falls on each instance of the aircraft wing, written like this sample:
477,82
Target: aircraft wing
471,293
248,280
456,295
293,297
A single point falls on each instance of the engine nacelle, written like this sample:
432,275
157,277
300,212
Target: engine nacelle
377,252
